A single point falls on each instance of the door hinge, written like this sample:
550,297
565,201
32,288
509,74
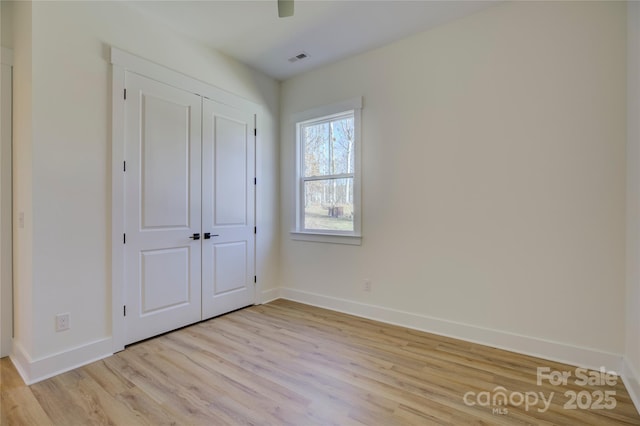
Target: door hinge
255,132
255,229
124,166
124,238
125,94
124,310
255,181
255,278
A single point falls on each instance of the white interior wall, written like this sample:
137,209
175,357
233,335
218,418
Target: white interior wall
6,24
493,181
17,34
632,352
493,153
4,197
71,160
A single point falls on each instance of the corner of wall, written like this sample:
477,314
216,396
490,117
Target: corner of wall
631,380
270,295
20,15
631,362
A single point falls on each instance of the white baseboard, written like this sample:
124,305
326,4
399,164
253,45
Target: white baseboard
546,349
33,371
20,360
631,381
270,295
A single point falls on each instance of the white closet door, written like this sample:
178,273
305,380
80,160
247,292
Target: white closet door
228,212
163,210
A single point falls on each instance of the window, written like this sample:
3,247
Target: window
327,174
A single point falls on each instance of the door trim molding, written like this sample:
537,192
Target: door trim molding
123,62
132,63
6,203
118,331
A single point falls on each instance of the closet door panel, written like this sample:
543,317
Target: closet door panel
228,212
163,209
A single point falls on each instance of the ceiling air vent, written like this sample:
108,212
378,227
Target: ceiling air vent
298,57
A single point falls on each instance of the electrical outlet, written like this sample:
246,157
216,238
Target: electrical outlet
62,322
367,285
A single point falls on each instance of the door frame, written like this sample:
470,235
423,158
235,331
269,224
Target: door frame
6,202
123,62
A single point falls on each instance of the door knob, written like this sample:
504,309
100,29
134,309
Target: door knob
208,235
195,237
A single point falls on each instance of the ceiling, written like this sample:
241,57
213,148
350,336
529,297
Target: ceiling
251,32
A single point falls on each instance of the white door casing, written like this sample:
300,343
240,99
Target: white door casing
234,244
6,202
163,211
228,208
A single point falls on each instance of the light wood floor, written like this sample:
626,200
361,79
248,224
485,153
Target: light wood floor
288,363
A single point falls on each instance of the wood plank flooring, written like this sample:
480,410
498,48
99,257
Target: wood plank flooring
285,363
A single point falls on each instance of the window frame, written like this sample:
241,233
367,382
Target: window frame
315,115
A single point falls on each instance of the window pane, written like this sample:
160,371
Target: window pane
328,147
316,154
328,204
342,147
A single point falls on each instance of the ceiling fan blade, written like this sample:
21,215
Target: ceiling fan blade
285,8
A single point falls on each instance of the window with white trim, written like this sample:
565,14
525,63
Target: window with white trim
328,173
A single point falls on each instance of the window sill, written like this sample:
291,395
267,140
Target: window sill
354,240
